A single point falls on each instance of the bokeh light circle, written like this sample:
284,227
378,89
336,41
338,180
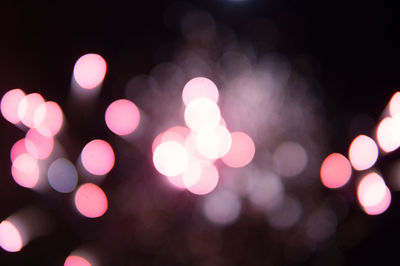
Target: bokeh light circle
9,105
363,152
38,145
74,260
207,182
25,171
122,117
62,175
170,158
48,118
213,142
201,113
27,107
335,171
90,70
241,152
10,237
91,201
98,157
371,190
199,87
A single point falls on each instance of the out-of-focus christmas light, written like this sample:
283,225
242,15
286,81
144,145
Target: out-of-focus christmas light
89,71
335,171
363,152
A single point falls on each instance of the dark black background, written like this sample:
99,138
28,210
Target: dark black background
356,45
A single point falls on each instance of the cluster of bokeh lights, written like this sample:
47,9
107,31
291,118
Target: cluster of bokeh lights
373,194
187,155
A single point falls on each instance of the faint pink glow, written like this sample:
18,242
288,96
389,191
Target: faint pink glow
193,173
176,181
90,70
213,142
289,159
199,87
371,190
25,171
207,181
382,206
122,117
48,118
394,104
201,113
17,149
91,201
182,131
241,152
10,237
335,171
170,158
38,145
27,108
363,152
76,261
98,157
387,134
222,207
9,105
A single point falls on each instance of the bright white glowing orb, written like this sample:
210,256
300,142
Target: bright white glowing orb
382,206
122,117
89,71
25,171
213,142
335,171
388,134
170,158
10,237
201,113
241,152
371,190
48,118
98,157
62,175
363,152
27,107
199,87
91,201
9,105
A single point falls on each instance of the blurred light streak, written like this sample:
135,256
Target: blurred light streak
27,108
363,152
201,113
207,182
170,158
90,200
98,157
89,71
289,159
62,175
10,237
241,151
222,207
213,142
38,145
122,117
199,87
25,170
388,134
9,105
335,171
48,118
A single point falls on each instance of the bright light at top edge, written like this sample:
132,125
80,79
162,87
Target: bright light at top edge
394,104
201,113
9,105
199,87
74,260
90,70
363,152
